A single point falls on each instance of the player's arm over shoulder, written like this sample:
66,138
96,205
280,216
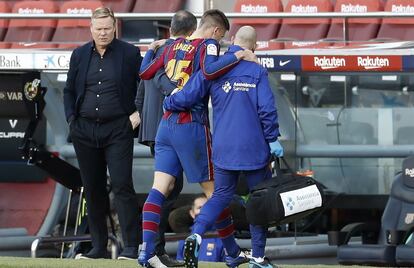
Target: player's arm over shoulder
192,93
151,63
212,65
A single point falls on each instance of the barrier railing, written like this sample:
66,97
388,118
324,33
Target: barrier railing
233,15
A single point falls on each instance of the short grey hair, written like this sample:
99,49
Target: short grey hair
103,12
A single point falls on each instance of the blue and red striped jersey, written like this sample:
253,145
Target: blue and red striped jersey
183,58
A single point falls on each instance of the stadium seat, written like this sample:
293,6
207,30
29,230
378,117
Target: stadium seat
25,205
306,44
157,6
359,133
119,5
404,256
397,220
24,33
359,29
404,135
147,31
397,28
71,33
10,3
266,28
4,8
269,45
305,29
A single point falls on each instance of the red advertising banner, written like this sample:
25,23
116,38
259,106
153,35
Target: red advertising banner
357,63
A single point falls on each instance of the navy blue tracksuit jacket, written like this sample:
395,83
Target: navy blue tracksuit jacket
244,114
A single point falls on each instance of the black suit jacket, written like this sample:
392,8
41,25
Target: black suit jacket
128,61
149,100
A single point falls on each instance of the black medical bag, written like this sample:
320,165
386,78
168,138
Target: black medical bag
284,198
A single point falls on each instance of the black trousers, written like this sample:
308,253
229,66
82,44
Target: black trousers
99,146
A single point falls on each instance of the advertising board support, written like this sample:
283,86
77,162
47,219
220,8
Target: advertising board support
14,119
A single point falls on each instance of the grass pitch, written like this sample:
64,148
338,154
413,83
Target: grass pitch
11,262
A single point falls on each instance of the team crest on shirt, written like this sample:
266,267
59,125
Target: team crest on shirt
226,86
210,246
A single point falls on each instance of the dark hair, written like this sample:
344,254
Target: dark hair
202,195
216,18
183,23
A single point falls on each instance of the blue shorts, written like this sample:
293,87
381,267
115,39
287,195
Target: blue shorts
185,147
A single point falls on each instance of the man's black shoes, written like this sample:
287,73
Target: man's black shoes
94,253
129,253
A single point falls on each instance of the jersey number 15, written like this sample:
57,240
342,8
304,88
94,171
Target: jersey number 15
176,71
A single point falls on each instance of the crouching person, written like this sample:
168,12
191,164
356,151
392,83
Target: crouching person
211,249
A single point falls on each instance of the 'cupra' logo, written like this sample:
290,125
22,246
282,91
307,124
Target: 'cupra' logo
290,203
226,87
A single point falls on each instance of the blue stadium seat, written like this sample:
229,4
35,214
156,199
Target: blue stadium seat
397,220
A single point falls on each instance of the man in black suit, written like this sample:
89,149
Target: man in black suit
99,105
